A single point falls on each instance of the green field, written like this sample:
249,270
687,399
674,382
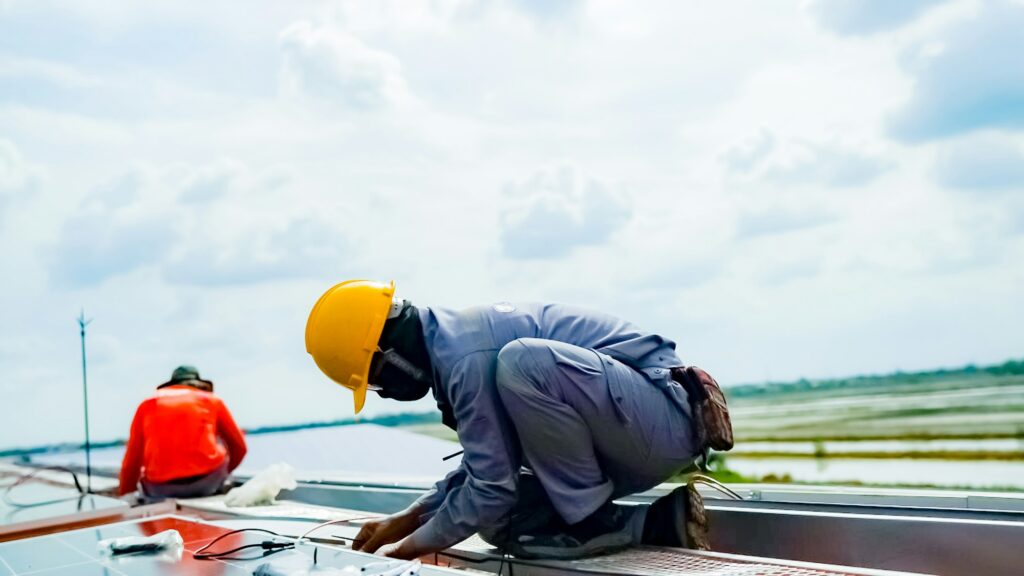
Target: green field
964,417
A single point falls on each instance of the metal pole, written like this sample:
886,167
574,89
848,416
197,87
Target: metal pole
82,323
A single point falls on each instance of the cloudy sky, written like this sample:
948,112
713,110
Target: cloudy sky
787,189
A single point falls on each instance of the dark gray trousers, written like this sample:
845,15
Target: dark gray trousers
206,485
592,429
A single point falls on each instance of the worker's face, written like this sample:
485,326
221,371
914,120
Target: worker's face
392,382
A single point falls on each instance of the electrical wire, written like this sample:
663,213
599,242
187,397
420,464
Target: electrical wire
268,546
26,477
353,541
339,521
450,456
712,483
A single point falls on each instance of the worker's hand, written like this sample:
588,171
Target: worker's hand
387,530
399,550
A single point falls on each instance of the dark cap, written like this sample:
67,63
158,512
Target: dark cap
183,375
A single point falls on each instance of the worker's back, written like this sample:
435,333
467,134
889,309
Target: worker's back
180,430
183,435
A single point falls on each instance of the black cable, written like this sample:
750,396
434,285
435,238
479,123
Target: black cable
269,546
450,456
26,477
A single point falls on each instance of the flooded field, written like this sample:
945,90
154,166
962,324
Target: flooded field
960,429
952,429
1006,447
941,473
995,409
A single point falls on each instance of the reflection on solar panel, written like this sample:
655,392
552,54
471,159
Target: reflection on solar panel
364,451
61,504
74,552
75,504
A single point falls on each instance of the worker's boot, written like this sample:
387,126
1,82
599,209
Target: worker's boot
677,520
606,530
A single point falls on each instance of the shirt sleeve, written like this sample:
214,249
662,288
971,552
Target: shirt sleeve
435,497
232,436
482,491
131,466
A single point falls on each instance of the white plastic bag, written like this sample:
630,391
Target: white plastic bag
166,540
264,487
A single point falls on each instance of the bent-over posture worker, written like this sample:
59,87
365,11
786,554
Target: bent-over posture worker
559,410
183,442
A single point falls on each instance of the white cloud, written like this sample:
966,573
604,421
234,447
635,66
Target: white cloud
859,17
980,57
553,212
114,231
189,224
334,66
13,172
18,179
764,221
798,162
745,156
197,174
11,175
984,162
297,248
210,183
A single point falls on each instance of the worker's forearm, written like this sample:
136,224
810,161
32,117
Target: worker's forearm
425,540
415,510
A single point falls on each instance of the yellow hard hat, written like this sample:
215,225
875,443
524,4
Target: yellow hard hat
344,329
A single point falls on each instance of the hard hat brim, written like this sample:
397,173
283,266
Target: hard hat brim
359,395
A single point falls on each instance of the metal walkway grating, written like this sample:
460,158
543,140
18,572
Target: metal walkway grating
658,561
664,562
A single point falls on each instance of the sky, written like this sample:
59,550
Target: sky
786,189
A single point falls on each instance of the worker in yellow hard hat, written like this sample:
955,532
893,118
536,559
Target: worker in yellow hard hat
584,402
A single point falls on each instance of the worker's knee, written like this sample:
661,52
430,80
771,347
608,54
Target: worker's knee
523,363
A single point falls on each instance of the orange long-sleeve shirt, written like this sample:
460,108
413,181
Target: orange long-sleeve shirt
178,433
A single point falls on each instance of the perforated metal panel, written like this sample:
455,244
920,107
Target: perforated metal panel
664,562
658,561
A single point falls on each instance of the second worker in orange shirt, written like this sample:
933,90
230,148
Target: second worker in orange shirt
183,442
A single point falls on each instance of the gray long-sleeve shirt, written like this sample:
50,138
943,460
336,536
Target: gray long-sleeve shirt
463,347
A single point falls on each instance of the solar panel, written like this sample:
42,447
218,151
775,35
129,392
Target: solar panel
35,505
75,552
362,451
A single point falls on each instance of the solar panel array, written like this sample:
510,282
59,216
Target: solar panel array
75,552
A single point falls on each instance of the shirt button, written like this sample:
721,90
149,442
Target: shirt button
657,370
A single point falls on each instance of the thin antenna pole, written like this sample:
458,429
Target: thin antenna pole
82,323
